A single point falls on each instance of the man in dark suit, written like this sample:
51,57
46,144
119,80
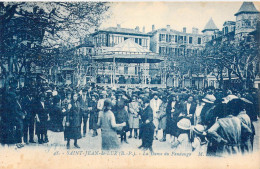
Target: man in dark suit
84,110
189,108
27,104
147,126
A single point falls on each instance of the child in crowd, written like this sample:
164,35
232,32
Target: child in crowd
200,143
183,143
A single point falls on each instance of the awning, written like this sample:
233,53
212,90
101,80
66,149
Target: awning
128,52
128,58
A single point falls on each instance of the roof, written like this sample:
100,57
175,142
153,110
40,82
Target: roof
172,31
164,30
229,23
128,46
128,52
210,25
137,58
120,30
247,7
126,30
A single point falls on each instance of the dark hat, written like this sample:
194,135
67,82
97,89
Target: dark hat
146,100
12,95
119,92
56,99
84,90
107,103
134,95
68,91
41,95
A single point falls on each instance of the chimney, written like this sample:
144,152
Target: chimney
195,30
118,26
184,30
144,29
137,28
153,28
168,27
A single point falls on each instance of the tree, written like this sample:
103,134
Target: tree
49,26
239,56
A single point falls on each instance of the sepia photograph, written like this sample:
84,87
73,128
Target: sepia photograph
129,84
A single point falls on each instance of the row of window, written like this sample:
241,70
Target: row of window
177,51
177,38
101,40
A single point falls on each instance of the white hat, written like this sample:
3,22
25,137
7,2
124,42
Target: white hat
49,91
54,93
184,124
104,92
209,98
229,98
199,129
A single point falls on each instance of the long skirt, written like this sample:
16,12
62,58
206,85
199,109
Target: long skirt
55,124
10,134
162,123
147,136
41,127
109,140
72,132
171,127
93,119
246,146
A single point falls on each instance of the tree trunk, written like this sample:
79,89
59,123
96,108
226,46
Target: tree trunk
221,78
229,79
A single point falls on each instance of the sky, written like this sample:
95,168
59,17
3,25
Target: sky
175,14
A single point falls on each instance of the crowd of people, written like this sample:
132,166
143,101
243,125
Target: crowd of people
205,122
128,79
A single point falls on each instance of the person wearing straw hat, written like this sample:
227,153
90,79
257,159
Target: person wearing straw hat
227,131
200,143
183,143
207,109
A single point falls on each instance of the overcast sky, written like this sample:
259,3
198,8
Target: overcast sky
176,14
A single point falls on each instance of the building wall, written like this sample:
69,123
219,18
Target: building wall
208,35
111,39
246,22
172,43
